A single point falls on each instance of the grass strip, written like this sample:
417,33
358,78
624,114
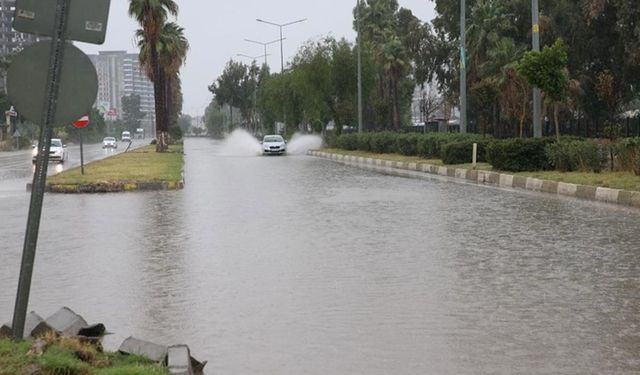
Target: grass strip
69,356
614,180
136,166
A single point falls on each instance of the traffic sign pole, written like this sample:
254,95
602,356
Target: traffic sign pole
42,162
81,124
81,153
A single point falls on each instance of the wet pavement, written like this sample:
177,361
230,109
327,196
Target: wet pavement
291,265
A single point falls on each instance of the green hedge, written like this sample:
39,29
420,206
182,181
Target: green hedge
519,155
627,155
408,144
461,152
569,156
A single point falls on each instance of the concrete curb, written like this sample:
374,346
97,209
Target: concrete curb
592,193
112,187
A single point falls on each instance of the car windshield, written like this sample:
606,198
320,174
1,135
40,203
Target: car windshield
56,143
109,139
273,139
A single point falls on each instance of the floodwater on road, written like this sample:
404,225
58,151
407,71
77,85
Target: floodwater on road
297,265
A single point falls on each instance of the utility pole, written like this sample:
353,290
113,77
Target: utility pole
360,126
537,100
463,66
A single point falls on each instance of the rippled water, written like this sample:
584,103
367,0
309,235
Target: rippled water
295,265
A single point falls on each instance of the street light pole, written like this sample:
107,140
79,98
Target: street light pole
360,125
264,45
463,66
537,100
281,25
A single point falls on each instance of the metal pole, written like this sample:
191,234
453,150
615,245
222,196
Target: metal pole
40,176
281,53
360,125
463,66
82,152
537,99
265,55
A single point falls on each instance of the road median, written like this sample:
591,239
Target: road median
141,169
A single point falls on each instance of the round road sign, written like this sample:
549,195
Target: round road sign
27,83
82,123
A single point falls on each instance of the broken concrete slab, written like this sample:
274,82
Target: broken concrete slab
155,352
31,322
64,322
179,360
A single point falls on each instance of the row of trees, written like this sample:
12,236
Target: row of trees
320,84
589,68
163,51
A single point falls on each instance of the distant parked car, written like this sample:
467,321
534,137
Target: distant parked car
109,142
274,145
57,152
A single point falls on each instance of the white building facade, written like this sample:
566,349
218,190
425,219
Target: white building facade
120,74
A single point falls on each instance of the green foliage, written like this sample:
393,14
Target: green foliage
627,155
407,144
461,152
570,156
519,155
131,113
430,144
547,70
175,131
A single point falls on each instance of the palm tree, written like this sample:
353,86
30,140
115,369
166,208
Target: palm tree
152,16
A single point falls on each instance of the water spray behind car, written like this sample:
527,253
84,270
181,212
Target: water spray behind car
242,143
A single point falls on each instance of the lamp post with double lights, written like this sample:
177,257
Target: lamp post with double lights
264,44
281,25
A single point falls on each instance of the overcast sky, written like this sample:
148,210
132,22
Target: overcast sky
216,30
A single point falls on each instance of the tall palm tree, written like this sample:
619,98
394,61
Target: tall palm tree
152,16
171,47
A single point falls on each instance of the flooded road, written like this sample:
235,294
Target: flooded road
296,265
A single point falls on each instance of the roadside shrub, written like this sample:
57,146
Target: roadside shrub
348,142
383,142
627,155
407,144
364,142
582,156
519,155
461,152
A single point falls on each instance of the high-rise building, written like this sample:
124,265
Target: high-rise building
11,41
120,74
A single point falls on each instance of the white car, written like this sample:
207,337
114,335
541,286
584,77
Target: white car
274,145
126,136
109,142
57,152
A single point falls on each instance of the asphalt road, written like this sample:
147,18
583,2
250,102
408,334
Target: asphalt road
16,168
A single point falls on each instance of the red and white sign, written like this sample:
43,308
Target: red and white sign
82,123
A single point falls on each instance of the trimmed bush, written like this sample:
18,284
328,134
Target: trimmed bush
383,143
348,142
627,155
461,152
407,144
519,155
569,156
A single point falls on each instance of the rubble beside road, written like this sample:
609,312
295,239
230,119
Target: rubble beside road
71,330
